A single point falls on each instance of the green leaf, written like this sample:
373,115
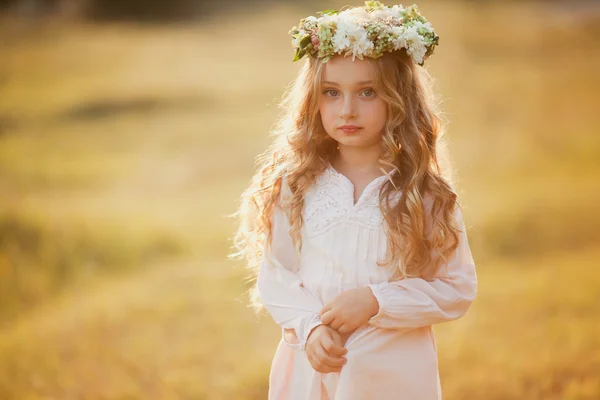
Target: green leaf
305,41
299,54
328,12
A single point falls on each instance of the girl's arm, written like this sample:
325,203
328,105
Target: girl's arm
415,302
280,288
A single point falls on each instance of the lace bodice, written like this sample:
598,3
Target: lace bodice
331,201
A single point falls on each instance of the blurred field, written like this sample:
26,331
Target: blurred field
123,148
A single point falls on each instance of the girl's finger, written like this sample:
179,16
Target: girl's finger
325,369
344,328
327,317
334,349
328,360
325,309
335,324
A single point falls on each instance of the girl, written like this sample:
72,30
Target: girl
350,222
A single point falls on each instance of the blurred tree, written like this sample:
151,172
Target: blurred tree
146,10
130,10
173,10
38,8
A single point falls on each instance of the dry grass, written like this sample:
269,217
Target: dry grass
123,148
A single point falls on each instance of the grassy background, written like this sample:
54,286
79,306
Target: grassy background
123,148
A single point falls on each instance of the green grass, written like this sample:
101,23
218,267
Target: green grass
123,148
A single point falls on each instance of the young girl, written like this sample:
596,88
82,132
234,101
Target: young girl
350,222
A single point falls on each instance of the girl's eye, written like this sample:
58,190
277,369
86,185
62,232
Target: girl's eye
368,93
331,92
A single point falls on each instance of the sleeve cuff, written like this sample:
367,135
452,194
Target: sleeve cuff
311,324
377,292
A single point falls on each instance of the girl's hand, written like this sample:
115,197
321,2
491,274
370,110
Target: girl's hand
350,309
325,350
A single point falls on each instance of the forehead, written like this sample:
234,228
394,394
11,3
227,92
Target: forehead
344,71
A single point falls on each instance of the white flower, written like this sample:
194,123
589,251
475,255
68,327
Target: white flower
350,36
362,45
394,12
399,39
420,25
329,19
398,9
357,15
417,53
415,43
298,38
411,35
340,40
347,32
409,38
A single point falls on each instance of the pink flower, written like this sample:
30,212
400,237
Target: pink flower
314,39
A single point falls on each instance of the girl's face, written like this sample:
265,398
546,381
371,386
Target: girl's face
351,111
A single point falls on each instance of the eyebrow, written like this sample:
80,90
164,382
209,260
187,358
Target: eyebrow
357,83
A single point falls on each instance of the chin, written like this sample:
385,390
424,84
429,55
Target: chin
356,141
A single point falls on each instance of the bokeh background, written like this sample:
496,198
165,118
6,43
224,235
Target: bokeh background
128,130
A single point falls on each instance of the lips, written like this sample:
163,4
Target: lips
349,128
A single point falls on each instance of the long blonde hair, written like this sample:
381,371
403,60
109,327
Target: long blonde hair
421,232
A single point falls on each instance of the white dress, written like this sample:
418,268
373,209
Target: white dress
394,356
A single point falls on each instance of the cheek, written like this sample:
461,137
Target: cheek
376,114
328,115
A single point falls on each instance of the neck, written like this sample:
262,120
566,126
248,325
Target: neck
362,160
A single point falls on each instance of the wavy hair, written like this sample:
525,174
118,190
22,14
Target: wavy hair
417,201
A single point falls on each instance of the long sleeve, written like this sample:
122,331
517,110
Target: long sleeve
280,288
415,302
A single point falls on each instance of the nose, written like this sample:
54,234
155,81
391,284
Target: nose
348,109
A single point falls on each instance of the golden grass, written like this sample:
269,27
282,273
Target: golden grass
125,148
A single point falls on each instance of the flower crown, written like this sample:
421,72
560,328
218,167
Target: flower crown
366,31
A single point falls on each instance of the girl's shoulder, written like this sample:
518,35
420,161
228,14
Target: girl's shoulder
321,180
